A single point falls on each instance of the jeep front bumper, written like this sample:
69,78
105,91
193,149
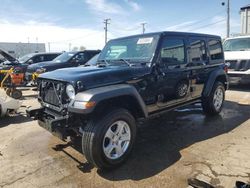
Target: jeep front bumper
55,125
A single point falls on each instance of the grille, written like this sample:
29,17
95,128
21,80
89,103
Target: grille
239,65
51,97
52,93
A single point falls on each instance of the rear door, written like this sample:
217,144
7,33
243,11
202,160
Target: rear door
198,60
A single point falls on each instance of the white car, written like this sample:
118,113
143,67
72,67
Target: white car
7,104
237,55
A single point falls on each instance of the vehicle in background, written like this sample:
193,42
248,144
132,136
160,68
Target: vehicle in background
22,63
28,59
8,104
65,60
135,78
237,56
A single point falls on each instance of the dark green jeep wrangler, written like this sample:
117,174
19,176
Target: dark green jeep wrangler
134,78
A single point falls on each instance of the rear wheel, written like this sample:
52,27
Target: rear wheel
107,142
213,104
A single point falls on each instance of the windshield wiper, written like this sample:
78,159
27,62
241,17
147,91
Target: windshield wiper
125,61
101,61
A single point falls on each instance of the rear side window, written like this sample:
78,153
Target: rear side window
197,50
173,51
50,57
38,58
215,49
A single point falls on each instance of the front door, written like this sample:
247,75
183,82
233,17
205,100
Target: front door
173,80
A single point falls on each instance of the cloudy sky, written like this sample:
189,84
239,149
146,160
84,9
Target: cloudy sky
68,23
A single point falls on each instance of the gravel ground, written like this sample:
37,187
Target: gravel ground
169,149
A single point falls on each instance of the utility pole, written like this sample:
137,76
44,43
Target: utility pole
49,46
106,22
69,46
228,17
143,27
36,43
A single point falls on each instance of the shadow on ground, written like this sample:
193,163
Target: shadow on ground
245,88
160,140
14,119
159,143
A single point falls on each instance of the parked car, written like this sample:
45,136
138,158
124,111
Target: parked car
67,59
237,55
22,63
28,59
135,78
7,104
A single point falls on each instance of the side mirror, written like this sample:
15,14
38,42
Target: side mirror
30,62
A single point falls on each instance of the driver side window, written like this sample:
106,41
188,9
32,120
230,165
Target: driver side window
79,57
173,51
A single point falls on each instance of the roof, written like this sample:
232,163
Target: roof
172,33
239,37
245,7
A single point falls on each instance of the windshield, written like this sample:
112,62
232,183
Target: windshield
25,58
238,44
66,56
137,48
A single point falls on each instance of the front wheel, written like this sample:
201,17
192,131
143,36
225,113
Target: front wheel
107,141
212,105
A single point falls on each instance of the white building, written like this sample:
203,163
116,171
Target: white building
20,49
245,20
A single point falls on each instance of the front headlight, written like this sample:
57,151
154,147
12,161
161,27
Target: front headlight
70,90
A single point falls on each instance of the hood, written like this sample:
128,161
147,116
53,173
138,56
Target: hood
237,55
44,64
48,66
9,59
94,76
8,56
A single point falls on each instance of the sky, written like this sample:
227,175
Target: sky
66,24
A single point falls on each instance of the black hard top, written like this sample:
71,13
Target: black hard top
173,33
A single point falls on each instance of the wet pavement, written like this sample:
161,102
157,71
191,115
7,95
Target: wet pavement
169,149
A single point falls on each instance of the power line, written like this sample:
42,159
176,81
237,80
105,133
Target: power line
72,39
204,26
120,27
202,20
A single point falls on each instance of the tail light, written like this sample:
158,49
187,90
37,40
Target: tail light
226,69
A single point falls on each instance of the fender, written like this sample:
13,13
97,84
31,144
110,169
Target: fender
100,94
211,80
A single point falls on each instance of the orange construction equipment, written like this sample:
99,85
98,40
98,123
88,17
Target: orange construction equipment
12,79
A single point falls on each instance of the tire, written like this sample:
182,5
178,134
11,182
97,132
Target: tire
8,91
100,134
181,89
16,94
212,105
